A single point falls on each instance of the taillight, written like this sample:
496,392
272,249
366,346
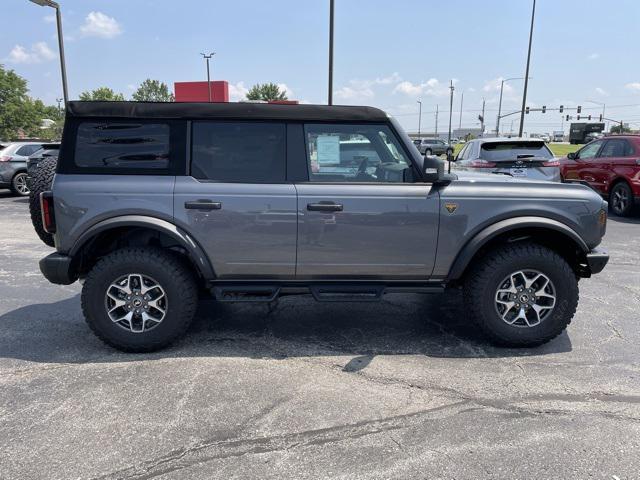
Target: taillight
5,158
48,217
552,163
482,164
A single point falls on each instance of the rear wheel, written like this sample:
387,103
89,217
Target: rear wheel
621,199
41,182
139,299
521,295
19,184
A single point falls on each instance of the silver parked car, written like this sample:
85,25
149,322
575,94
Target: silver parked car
433,146
518,157
13,166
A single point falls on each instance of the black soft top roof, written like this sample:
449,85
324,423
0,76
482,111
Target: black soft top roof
231,110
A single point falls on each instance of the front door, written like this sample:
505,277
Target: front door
359,215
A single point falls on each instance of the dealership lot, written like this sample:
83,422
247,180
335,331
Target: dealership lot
398,389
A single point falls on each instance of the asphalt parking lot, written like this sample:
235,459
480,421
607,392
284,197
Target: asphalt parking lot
398,389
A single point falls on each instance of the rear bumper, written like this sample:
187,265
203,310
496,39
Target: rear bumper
57,269
596,260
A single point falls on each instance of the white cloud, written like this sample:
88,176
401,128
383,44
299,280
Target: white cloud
49,18
471,89
358,90
602,92
593,56
39,52
635,86
97,24
432,87
351,93
495,84
287,90
237,92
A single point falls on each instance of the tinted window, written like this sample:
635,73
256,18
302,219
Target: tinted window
354,153
245,152
616,148
122,145
27,150
512,150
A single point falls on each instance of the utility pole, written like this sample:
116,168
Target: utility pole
482,122
461,102
436,121
59,100
452,88
207,57
419,116
526,74
331,10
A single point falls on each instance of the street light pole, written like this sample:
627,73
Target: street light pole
452,88
207,57
419,116
500,103
63,68
331,14
461,102
436,121
526,73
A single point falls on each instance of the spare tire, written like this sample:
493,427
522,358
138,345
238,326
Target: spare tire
41,181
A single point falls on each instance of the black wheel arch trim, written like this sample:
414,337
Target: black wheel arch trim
485,235
196,252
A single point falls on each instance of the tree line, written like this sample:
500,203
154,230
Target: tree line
24,116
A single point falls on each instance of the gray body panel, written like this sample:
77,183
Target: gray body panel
82,201
384,231
253,234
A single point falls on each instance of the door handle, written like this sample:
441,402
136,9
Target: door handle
324,207
202,205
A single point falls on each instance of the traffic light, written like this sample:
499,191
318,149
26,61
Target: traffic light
589,117
600,117
567,117
579,109
578,117
561,108
526,110
544,109
481,118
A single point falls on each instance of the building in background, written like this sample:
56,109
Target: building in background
197,91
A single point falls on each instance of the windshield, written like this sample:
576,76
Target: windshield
513,150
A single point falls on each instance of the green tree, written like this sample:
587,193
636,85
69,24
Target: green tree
152,91
102,93
266,92
619,129
18,112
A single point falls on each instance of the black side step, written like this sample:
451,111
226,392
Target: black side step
346,293
246,293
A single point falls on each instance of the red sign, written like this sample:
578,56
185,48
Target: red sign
197,91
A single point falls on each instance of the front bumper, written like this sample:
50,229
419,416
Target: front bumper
597,260
57,269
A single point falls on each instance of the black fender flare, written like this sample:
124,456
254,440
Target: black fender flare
485,235
196,252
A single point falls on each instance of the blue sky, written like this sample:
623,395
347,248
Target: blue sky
387,53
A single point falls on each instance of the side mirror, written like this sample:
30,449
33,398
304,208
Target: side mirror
433,169
572,155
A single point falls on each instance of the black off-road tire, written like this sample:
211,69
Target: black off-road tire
619,207
482,282
41,182
163,266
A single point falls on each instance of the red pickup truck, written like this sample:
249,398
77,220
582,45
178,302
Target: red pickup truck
611,166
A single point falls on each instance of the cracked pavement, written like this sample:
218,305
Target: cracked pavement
404,388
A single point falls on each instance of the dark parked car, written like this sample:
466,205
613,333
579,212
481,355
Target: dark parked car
611,166
155,204
517,157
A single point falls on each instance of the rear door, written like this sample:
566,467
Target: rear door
236,202
357,217
617,158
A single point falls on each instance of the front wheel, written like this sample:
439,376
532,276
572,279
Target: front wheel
139,299
521,295
621,199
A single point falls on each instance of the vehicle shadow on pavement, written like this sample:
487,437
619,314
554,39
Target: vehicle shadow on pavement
433,326
13,198
633,219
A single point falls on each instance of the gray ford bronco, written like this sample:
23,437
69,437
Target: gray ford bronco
156,204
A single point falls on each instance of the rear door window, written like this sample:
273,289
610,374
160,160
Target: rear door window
123,147
27,150
239,152
616,148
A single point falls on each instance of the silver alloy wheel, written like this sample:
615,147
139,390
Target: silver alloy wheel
620,199
136,302
525,298
20,184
